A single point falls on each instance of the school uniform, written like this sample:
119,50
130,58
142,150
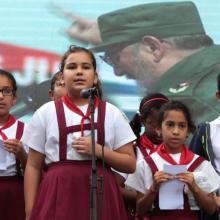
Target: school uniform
66,183
145,147
204,175
11,177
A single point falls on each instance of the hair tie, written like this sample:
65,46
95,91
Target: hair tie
153,99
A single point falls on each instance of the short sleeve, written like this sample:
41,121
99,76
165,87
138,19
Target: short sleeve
34,135
123,133
207,178
141,179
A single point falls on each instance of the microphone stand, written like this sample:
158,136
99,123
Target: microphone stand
93,206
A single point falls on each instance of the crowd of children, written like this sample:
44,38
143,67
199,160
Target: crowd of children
53,153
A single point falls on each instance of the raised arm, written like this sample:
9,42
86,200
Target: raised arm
82,29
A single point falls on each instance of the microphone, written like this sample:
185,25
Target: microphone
86,93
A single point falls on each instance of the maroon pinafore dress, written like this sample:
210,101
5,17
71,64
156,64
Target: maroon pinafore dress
186,213
64,192
12,190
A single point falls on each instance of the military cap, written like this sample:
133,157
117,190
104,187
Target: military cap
161,20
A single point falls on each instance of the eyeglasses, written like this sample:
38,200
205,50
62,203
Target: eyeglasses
112,55
7,91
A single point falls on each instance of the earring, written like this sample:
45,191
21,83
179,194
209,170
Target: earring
159,134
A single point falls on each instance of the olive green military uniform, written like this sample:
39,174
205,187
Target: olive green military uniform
193,81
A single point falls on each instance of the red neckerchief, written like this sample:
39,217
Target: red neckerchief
66,99
185,158
11,120
146,143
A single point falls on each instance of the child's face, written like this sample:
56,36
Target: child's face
174,130
150,124
6,101
59,89
79,72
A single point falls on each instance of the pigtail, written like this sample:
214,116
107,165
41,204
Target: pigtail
136,125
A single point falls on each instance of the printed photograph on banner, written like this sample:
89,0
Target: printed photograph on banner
140,48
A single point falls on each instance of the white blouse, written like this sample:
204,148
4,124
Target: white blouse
42,133
205,176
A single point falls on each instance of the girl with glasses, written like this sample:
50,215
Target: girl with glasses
12,153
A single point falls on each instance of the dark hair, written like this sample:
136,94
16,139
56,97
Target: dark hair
148,104
54,79
178,106
11,78
75,49
218,82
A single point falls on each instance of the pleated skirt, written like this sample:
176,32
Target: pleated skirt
12,198
174,214
65,194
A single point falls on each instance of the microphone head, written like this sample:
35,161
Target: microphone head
86,93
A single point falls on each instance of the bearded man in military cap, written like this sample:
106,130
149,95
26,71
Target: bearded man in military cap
162,45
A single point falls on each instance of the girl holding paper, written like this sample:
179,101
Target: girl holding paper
12,153
200,180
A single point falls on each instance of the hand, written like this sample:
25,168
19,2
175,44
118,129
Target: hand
14,146
27,216
160,177
217,202
83,145
187,178
82,29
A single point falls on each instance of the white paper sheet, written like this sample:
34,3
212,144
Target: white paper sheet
171,192
3,156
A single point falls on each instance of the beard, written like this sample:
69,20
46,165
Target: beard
146,73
